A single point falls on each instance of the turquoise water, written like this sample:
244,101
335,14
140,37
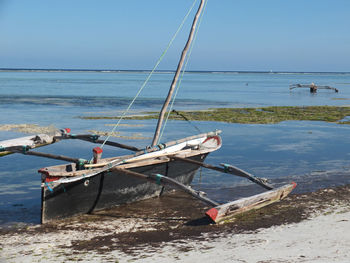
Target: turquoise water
314,154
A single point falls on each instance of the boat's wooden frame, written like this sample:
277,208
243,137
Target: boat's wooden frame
59,177
68,189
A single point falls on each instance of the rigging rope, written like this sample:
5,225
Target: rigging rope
149,76
182,74
186,119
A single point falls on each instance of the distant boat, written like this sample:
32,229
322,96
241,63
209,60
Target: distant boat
81,186
313,88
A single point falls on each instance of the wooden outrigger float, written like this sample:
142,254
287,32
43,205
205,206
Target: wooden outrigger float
30,142
313,88
83,186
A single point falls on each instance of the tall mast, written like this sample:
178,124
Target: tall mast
176,76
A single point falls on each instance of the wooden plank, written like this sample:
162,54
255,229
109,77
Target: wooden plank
32,141
135,160
25,144
228,211
142,162
171,148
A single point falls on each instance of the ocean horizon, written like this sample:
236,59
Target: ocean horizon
167,71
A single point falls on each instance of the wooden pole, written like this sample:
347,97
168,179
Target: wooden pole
167,181
51,156
94,138
176,76
218,213
228,169
110,143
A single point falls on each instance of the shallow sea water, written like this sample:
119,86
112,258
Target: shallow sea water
313,154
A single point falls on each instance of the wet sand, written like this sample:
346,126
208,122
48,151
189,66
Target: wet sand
312,227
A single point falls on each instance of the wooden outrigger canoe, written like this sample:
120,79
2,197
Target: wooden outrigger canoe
71,189
82,186
313,88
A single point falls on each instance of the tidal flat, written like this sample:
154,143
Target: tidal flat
260,115
302,228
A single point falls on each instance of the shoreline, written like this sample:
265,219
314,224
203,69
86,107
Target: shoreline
302,228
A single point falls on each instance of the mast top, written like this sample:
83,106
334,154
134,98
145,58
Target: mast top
177,73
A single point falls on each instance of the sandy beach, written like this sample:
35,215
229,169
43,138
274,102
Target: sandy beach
312,227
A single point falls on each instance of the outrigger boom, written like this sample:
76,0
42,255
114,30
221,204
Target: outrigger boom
219,212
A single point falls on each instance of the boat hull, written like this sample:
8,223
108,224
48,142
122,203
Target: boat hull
111,188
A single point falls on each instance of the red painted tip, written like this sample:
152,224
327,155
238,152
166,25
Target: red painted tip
97,150
294,184
49,179
212,213
43,171
67,130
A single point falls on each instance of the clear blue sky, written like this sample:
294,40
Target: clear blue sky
278,35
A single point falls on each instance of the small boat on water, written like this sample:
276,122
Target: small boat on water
82,186
313,87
